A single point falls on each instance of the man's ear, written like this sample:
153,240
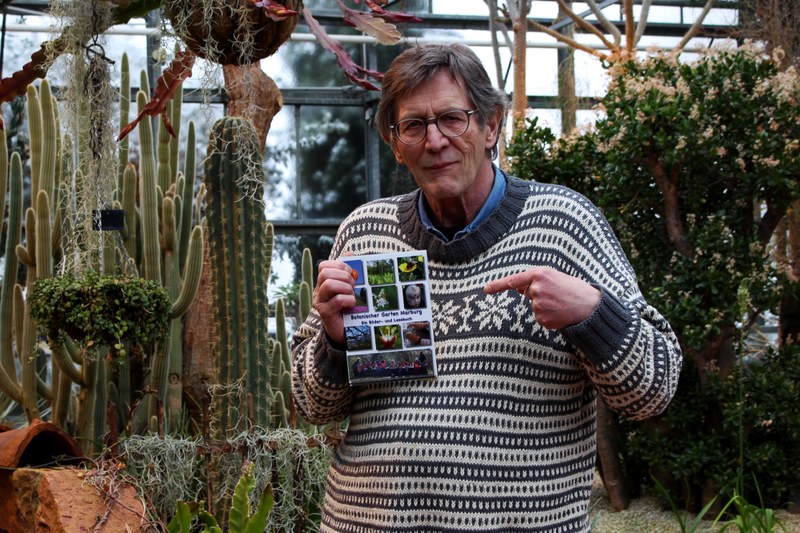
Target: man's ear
493,128
393,145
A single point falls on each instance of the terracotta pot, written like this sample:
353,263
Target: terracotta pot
39,443
231,23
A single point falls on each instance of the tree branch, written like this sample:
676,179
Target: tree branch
695,27
668,185
585,25
569,42
630,32
604,22
643,15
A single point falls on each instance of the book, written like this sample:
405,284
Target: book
389,332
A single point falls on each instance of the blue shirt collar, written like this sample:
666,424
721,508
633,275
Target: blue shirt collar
495,196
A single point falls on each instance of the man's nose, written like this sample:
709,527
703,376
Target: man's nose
433,137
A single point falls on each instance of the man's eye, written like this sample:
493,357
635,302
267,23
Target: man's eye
451,119
411,125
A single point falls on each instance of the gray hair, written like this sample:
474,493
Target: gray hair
419,64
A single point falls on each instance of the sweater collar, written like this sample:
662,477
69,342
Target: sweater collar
464,247
495,195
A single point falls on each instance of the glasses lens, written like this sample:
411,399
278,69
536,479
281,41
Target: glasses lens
411,131
453,123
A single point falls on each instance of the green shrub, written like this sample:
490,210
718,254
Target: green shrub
695,164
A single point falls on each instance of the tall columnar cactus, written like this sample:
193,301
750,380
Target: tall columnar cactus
170,252
36,253
238,238
160,241
283,409
306,285
12,181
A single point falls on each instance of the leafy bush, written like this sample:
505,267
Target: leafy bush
688,446
695,164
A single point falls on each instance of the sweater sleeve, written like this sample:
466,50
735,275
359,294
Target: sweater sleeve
321,389
630,352
320,386
632,355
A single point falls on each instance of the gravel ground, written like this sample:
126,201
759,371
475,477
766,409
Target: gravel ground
646,515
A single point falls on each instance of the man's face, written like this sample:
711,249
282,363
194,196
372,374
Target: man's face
445,168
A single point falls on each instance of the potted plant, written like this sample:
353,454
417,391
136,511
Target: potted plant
232,32
101,310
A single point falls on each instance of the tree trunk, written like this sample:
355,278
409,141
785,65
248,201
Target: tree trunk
610,451
520,99
567,101
253,95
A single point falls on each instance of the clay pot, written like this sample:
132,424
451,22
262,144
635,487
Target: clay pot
231,23
37,444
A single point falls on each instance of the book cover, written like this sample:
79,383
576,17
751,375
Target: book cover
389,332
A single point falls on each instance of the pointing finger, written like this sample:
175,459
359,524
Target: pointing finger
515,282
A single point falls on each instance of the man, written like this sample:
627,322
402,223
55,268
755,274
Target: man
536,311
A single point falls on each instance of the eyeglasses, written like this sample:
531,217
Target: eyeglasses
453,123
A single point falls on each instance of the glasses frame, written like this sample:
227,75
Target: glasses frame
428,122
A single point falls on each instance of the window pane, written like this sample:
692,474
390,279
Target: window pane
331,162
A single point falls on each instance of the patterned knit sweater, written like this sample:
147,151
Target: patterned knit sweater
504,438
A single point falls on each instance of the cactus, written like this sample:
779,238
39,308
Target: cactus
161,260
238,241
160,241
8,372
306,285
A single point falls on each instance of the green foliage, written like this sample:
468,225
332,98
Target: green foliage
769,420
749,518
240,518
101,310
380,272
722,132
694,164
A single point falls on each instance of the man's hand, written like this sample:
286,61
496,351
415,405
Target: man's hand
558,300
334,294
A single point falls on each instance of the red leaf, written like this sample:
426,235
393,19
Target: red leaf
391,16
167,83
350,68
274,10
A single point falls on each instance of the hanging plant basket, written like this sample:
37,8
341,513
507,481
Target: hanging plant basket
106,310
229,32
